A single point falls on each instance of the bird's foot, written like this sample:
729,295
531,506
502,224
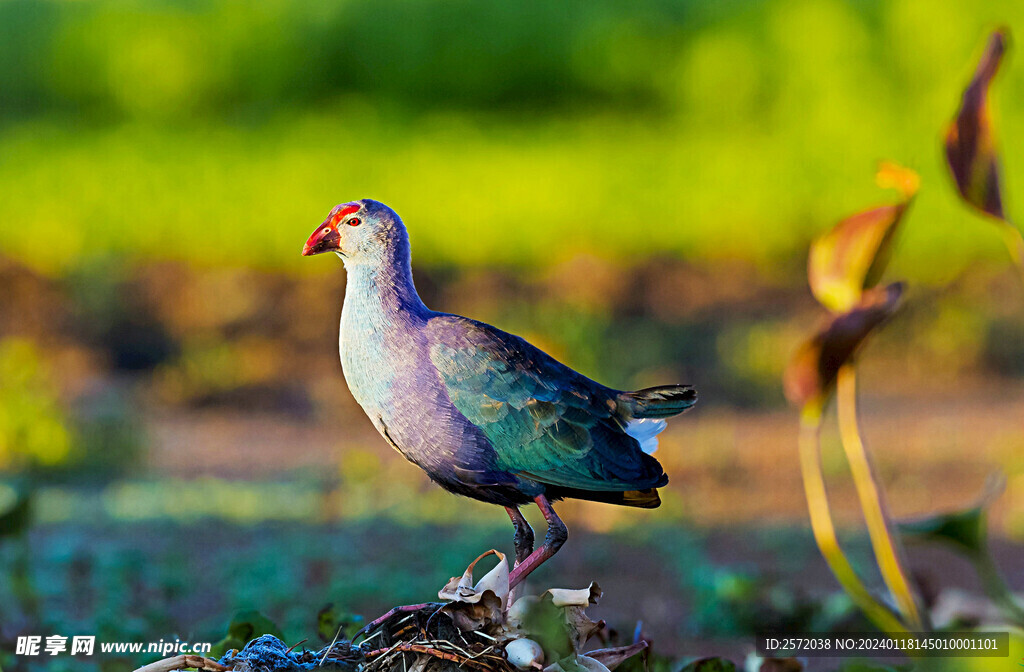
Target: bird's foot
553,540
524,534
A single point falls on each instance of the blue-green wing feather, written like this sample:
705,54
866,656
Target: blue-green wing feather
545,421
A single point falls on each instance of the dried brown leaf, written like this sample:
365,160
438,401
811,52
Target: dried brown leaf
970,139
613,657
812,372
851,257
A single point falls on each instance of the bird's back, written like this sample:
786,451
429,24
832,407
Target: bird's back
545,422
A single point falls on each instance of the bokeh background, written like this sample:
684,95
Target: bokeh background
632,186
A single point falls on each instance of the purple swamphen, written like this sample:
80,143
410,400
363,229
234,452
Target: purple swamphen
483,412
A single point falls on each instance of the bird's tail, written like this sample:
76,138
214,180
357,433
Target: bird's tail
662,401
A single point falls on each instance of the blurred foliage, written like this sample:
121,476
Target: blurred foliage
710,665
34,427
220,132
1003,345
112,316
966,530
244,627
738,601
39,433
332,623
15,509
867,666
110,437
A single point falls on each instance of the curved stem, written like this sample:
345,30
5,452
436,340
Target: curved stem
1014,243
888,552
824,531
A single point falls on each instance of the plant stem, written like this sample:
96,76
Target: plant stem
1014,243
884,540
824,530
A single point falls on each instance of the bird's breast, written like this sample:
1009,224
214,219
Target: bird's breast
370,360
387,365
387,369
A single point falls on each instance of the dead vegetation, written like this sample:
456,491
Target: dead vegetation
476,625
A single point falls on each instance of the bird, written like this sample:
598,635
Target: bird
483,412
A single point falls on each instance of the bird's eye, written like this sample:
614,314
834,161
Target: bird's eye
355,221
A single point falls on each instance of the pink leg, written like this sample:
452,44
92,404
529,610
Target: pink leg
524,534
553,540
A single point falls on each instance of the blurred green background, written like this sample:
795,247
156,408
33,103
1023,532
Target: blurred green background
632,186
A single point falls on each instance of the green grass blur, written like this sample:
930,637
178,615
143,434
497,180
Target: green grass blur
517,136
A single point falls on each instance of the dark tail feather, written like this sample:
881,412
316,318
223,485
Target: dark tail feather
663,401
641,499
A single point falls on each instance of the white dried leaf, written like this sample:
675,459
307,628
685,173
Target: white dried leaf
582,597
462,589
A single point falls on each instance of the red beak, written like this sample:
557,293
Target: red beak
325,239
